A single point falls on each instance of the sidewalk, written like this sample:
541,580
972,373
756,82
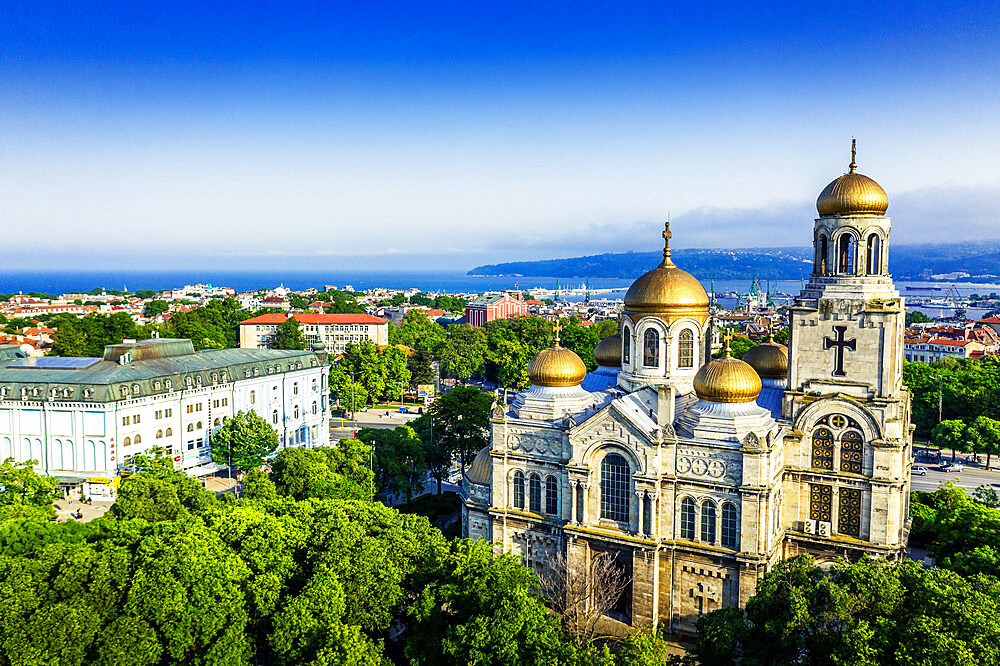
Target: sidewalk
90,511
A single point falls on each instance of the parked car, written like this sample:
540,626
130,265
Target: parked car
952,467
920,470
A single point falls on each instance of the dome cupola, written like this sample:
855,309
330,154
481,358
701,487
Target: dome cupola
727,379
852,194
667,291
769,359
608,351
556,366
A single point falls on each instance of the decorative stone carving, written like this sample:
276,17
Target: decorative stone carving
499,411
751,441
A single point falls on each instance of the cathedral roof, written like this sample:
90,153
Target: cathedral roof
556,366
727,379
667,291
481,469
608,351
852,194
768,358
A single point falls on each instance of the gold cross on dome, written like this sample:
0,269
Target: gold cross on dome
557,327
726,339
667,235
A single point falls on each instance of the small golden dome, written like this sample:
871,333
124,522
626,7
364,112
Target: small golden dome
727,379
852,194
481,469
667,291
608,351
769,359
556,366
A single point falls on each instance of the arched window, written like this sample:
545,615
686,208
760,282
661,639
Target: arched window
296,411
201,425
873,256
852,444
295,388
138,439
821,260
685,349
535,493
274,417
518,490
615,488
846,254
687,519
651,348
708,521
315,408
822,449
551,495
626,345
169,432
190,427
128,441
217,422
159,434
730,531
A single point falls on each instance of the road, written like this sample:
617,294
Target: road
969,478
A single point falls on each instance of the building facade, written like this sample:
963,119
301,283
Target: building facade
485,309
696,474
82,419
336,331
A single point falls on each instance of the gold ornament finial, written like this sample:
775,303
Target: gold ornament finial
667,235
726,337
557,327
854,156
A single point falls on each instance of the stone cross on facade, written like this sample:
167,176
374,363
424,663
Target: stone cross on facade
839,345
704,595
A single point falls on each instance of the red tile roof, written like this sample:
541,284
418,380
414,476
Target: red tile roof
313,318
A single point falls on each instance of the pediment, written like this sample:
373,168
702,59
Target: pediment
610,425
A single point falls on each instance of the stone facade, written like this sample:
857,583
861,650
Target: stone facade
699,499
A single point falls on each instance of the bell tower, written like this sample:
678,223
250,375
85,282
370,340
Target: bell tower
848,456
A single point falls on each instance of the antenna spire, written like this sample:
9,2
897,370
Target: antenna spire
854,156
667,234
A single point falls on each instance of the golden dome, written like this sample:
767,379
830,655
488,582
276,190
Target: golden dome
852,194
769,359
608,351
667,291
727,379
481,469
556,366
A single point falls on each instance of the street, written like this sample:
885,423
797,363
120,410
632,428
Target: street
969,478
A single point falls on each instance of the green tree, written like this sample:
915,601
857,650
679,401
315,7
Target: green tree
351,393
511,359
395,375
475,608
400,467
289,335
984,434
464,354
144,293
246,440
950,434
366,363
24,492
871,612
462,421
436,454
155,308
421,368
340,472
916,317
418,332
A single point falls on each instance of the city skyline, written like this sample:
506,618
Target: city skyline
449,136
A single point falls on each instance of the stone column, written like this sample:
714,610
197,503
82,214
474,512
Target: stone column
640,496
574,515
585,493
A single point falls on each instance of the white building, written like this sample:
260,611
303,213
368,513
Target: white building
336,331
83,419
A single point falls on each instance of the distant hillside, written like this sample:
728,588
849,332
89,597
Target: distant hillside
906,262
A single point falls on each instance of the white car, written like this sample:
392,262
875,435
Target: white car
919,470
952,467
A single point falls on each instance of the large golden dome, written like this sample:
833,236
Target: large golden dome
769,359
852,194
556,366
608,351
727,379
667,291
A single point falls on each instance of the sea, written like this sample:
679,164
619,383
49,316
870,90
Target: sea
932,295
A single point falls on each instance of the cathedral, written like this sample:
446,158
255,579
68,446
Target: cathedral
699,475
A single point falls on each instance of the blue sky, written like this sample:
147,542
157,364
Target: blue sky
446,135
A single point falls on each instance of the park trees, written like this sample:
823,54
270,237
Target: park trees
464,354
245,441
381,374
340,472
870,612
462,421
155,308
398,456
418,332
960,532
950,434
289,335
24,492
984,435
